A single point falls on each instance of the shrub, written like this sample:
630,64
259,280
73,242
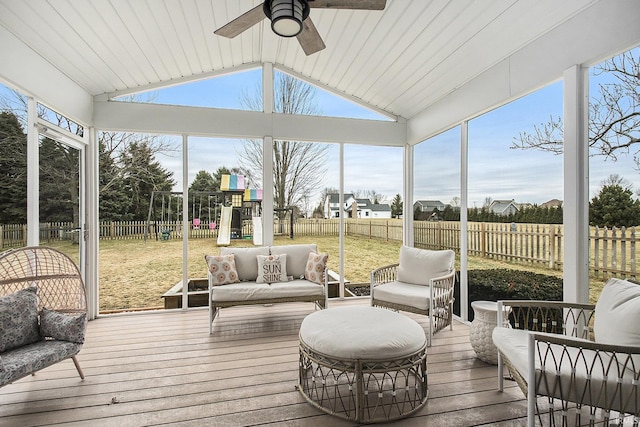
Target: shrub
502,284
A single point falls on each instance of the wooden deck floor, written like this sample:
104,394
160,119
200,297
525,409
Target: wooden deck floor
165,369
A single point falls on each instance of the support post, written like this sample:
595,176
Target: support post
576,186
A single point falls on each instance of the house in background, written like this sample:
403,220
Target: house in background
553,203
504,207
427,207
362,207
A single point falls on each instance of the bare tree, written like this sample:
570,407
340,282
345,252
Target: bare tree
298,167
614,115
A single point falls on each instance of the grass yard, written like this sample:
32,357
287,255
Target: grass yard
134,274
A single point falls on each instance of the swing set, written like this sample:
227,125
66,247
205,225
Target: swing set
165,212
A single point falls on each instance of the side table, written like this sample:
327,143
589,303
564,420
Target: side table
484,321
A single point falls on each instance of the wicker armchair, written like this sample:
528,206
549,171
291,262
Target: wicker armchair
421,282
583,359
59,311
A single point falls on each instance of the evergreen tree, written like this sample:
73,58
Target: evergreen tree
59,182
204,181
115,205
142,175
13,170
396,206
614,206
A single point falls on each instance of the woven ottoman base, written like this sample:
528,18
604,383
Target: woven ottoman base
370,389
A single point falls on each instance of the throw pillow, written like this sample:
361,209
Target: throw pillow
272,268
223,269
62,326
19,319
316,263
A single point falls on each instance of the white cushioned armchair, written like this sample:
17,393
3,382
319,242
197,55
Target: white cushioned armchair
583,359
421,282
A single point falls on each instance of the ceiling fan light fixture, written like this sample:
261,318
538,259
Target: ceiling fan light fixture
286,16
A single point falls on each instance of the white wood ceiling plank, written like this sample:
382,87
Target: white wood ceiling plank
378,61
187,32
410,48
410,62
369,54
358,30
168,36
472,20
99,39
108,23
143,33
202,18
471,58
344,29
33,24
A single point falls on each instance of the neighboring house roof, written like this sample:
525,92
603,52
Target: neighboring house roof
429,205
380,207
366,204
335,197
502,207
553,203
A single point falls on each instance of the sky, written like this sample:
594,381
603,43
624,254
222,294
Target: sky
496,170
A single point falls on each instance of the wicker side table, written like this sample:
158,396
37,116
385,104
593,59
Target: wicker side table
363,364
484,321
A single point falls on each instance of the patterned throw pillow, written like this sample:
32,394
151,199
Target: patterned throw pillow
314,270
62,326
272,268
223,269
19,319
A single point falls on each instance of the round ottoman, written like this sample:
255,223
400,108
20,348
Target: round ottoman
364,364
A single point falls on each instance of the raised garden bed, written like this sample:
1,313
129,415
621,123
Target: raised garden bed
198,294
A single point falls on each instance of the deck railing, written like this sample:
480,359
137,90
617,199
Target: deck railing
613,251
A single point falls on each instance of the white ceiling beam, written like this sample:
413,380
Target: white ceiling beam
27,72
215,122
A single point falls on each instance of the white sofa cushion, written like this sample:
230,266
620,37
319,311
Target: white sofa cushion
272,268
251,291
404,294
513,343
297,256
418,266
617,319
246,260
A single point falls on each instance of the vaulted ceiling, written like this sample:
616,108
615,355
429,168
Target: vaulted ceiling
403,60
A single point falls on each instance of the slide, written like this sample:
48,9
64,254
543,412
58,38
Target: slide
224,230
257,230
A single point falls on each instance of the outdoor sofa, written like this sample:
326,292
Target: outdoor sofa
266,275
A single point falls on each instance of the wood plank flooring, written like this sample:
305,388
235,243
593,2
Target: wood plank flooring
163,368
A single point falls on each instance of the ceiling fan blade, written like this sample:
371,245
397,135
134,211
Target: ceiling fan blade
309,38
241,23
349,4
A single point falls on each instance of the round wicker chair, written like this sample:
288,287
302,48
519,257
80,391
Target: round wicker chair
60,285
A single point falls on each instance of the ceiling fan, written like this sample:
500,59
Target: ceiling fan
290,18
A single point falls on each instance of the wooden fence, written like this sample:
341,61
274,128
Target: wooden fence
613,252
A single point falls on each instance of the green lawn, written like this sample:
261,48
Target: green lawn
135,273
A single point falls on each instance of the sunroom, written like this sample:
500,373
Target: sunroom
424,67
